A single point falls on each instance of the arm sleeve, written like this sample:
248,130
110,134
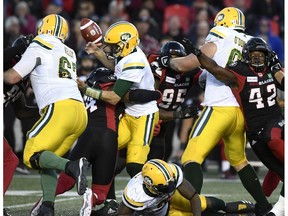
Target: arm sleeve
121,87
143,95
30,59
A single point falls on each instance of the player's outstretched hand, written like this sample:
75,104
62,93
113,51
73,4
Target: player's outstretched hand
190,48
28,39
81,85
163,61
92,48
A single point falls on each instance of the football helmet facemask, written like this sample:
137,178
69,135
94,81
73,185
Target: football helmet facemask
256,44
55,25
122,37
230,17
173,48
158,177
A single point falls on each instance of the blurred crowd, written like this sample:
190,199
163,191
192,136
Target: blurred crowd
157,21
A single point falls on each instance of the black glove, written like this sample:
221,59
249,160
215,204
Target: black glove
163,61
189,47
28,39
186,112
275,64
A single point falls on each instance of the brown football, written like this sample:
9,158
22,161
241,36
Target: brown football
90,31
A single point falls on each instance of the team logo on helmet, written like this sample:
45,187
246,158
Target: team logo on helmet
125,37
220,17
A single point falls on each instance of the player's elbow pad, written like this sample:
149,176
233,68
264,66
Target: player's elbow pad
143,96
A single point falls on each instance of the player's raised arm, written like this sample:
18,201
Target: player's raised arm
210,65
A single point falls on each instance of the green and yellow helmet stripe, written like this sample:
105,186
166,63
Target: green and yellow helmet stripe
58,25
162,168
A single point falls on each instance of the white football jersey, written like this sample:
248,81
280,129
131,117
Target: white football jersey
135,68
134,196
52,68
229,48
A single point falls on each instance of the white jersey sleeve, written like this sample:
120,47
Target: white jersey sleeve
52,68
178,174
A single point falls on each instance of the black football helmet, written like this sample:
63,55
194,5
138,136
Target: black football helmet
22,41
100,76
173,48
256,44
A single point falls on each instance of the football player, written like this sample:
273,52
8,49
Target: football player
224,44
133,72
52,68
173,87
254,81
150,191
13,94
99,149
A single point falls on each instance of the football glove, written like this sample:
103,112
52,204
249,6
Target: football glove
275,64
163,61
186,112
189,47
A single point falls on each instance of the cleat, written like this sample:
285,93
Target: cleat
36,208
46,209
78,170
87,206
263,210
110,208
240,207
5,212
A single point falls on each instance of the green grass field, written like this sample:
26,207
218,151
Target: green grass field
25,190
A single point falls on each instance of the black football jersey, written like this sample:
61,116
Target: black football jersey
256,94
173,85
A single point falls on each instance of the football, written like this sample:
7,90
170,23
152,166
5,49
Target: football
90,31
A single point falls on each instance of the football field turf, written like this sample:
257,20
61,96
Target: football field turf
25,190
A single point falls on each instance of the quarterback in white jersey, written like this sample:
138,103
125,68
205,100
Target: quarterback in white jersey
52,68
221,117
133,71
149,192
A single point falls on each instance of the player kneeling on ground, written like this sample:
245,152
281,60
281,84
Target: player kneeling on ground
160,189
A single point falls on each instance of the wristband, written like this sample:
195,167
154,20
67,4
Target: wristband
94,93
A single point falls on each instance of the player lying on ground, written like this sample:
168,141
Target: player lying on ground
151,192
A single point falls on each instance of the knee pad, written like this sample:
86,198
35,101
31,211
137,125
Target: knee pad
34,160
133,168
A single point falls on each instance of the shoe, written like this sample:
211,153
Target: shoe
46,209
110,208
36,208
242,206
87,206
78,170
21,168
263,210
227,175
5,212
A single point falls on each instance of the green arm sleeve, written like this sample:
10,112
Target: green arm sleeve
121,87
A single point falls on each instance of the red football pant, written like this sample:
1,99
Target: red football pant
10,161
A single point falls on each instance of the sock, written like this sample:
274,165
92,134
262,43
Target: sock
270,182
49,160
48,184
215,204
277,148
193,173
251,183
111,193
65,183
101,192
